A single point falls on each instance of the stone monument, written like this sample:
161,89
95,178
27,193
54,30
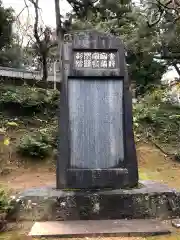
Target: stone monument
96,149
97,174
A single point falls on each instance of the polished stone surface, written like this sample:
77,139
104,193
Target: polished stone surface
95,228
96,123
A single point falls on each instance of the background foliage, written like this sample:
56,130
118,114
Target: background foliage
28,101
156,118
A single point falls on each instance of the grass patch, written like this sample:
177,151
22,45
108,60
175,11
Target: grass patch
143,176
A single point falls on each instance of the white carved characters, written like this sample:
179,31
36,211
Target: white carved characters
95,60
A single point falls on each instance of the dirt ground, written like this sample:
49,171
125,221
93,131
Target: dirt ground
152,165
21,179
19,176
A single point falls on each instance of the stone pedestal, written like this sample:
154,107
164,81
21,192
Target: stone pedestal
150,200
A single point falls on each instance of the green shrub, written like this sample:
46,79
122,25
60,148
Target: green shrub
39,144
50,134
6,206
5,203
28,101
35,146
158,119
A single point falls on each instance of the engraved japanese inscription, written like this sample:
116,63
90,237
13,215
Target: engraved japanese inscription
95,59
96,123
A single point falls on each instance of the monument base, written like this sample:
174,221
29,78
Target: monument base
149,200
95,228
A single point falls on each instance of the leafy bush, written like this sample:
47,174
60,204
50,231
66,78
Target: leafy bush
5,203
39,144
157,119
35,146
5,207
28,101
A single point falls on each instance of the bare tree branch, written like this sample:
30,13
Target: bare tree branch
25,7
43,40
152,24
163,8
36,7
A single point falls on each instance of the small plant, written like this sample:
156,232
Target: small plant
35,146
5,207
4,139
5,203
11,125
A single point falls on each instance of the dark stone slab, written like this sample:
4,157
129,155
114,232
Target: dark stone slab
95,123
103,177
96,228
151,200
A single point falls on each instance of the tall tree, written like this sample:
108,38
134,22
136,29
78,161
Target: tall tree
43,42
126,20
6,21
40,40
81,8
6,35
60,37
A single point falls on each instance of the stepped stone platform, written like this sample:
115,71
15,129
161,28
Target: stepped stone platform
150,200
93,228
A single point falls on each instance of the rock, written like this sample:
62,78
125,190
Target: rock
176,223
5,171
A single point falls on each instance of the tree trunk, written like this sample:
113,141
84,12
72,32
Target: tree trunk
58,17
45,70
60,38
40,43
